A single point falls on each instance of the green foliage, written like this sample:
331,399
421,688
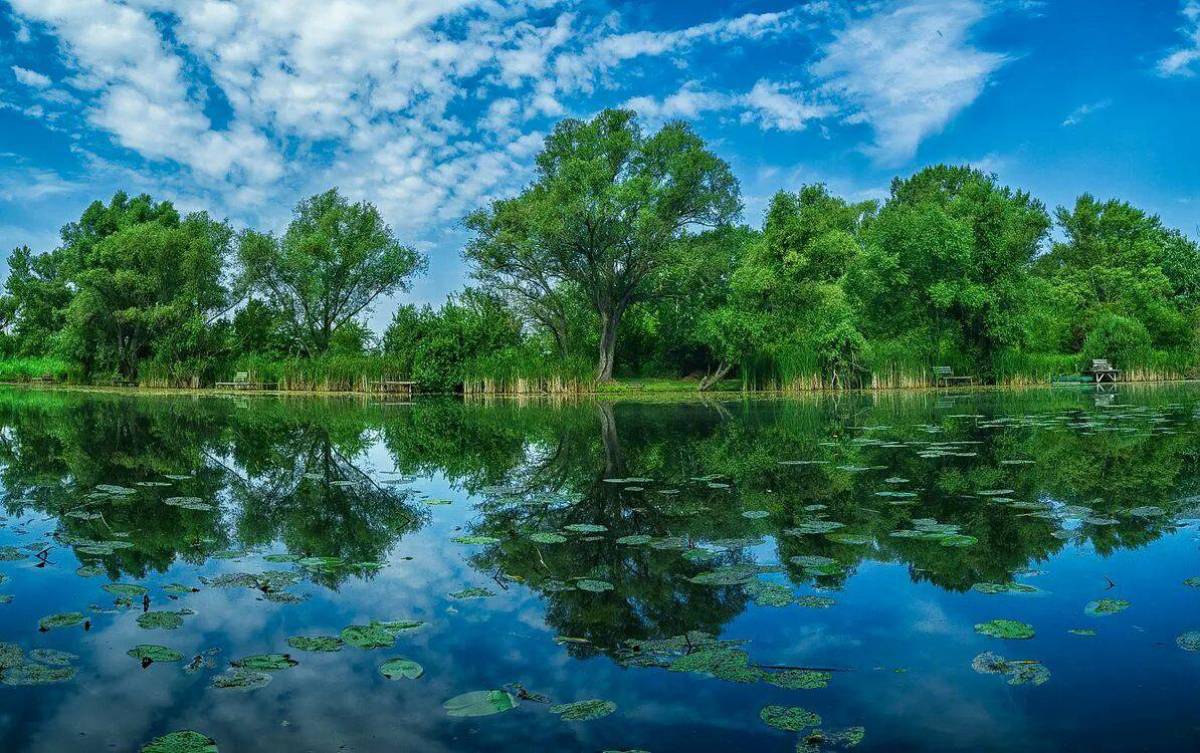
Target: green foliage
332,263
600,217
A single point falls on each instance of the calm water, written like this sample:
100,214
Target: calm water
829,555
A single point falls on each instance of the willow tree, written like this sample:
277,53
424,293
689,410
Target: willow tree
605,206
334,261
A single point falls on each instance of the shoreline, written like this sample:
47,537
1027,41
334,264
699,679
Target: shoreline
684,392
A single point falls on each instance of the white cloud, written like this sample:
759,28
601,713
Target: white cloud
1083,111
30,78
773,105
1182,60
907,70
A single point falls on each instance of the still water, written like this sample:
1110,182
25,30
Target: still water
977,572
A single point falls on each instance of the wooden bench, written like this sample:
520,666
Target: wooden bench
241,381
944,376
396,388
1103,371
43,379
120,381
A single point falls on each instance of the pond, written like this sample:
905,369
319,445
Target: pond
990,571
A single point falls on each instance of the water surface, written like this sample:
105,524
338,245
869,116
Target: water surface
690,563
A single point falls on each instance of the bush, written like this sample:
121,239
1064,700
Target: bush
1123,341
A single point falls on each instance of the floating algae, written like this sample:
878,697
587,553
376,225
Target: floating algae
60,620
798,679
186,741
1105,607
1189,641
820,739
265,662
790,718
1018,671
241,679
162,620
148,653
320,643
1008,629
583,711
475,592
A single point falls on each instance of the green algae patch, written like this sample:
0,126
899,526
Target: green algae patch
1189,641
583,711
767,594
1005,588
317,644
476,540
31,673
480,703
240,678
799,679
185,741
400,668
60,620
148,653
475,592
1018,671
265,662
1105,607
821,739
368,636
52,657
722,662
790,718
1193,582
593,585
126,590
585,528
162,620
1007,629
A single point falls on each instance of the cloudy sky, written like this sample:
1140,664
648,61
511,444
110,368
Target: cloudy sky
430,108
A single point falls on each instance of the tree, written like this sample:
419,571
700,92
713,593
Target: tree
946,260
605,206
132,280
334,261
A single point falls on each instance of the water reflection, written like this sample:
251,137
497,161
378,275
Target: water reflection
629,524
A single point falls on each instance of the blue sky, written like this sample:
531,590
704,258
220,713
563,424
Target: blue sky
430,108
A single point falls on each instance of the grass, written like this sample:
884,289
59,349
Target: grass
25,369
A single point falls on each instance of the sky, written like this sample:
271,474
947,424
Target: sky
431,108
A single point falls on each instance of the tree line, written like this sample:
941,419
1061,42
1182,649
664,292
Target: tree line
625,256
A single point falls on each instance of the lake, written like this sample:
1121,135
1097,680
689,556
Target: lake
991,571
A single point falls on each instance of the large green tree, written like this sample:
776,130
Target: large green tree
606,205
335,259
946,260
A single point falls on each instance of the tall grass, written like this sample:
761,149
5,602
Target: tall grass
25,369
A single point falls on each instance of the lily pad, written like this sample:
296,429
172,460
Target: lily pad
595,586
1104,607
585,528
474,592
186,741
128,590
160,620
799,679
266,662
1008,629
476,540
790,718
374,635
320,643
547,537
61,620
583,711
480,703
148,653
397,668
241,679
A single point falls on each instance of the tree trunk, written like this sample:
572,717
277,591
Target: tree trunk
608,344
709,380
